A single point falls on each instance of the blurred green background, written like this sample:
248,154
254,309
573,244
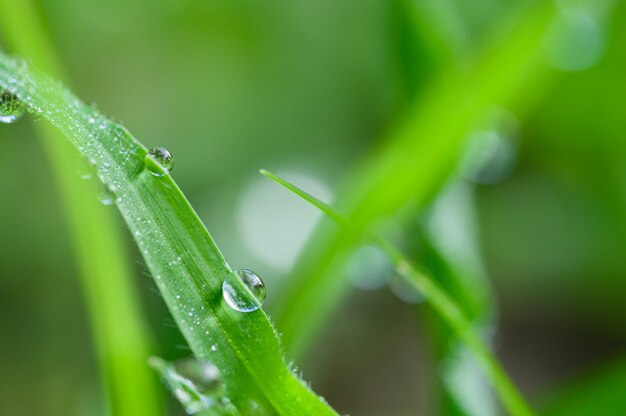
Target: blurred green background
307,89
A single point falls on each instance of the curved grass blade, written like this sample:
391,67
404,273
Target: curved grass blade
449,249
443,304
181,255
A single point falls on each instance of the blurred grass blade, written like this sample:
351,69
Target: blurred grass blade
119,330
599,393
449,249
443,304
406,172
181,255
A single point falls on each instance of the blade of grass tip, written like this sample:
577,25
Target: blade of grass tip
119,329
445,306
407,171
181,255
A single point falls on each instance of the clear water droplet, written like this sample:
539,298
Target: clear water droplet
106,196
85,169
244,290
11,108
576,40
159,161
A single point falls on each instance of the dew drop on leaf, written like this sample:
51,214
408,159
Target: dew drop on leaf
85,169
244,290
159,161
106,196
11,108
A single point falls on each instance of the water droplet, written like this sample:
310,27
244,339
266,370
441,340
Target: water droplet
576,40
106,196
244,290
159,161
11,108
85,169
196,384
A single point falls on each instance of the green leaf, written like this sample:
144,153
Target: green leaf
443,304
411,165
599,393
450,251
181,255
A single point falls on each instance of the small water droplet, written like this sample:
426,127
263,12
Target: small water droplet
159,161
11,108
576,40
85,169
244,290
106,195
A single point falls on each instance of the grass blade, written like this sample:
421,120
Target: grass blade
181,255
443,304
601,392
449,250
407,171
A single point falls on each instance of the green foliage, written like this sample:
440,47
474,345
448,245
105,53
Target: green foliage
181,255
444,305
427,73
415,160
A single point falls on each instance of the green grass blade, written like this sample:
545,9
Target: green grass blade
181,255
599,393
407,171
119,329
449,249
443,304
